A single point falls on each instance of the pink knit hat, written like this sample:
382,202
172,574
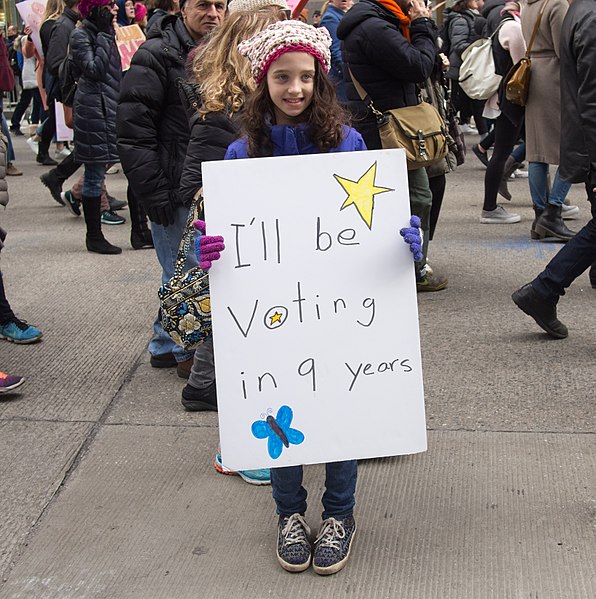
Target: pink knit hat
85,6
286,36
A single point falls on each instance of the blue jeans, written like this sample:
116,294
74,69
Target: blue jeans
338,499
166,241
537,176
574,258
93,180
519,153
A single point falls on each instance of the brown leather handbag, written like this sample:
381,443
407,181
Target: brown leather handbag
518,77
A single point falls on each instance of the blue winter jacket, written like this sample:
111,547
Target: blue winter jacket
294,141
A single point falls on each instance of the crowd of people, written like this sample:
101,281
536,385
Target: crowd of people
218,81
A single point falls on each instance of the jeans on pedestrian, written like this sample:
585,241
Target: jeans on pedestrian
6,132
6,313
421,200
519,153
94,176
166,241
538,177
574,258
202,373
338,498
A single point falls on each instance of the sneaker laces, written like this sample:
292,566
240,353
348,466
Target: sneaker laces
295,530
331,534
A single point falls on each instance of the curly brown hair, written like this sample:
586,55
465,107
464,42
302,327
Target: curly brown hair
325,116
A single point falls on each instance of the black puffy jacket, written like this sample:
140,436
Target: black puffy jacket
152,126
96,99
209,140
461,32
578,93
384,62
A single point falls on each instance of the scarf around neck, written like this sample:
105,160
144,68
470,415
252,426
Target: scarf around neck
404,20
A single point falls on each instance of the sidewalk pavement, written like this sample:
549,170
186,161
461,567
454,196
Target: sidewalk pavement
107,485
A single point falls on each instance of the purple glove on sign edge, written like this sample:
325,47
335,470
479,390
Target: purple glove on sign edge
413,237
207,247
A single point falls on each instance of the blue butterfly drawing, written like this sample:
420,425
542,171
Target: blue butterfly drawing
277,431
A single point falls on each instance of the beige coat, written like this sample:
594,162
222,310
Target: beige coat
543,108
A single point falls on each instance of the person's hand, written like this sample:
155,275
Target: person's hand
161,215
418,10
27,30
207,247
413,237
104,19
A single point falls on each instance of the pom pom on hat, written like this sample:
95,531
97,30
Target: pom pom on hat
286,36
251,5
85,6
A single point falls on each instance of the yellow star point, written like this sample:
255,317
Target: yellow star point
362,193
275,318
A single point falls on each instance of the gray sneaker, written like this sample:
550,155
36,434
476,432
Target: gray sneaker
293,546
499,216
111,218
569,211
332,546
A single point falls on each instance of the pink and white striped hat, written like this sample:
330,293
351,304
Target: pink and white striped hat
286,36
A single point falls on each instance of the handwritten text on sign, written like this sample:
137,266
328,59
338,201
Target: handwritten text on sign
314,309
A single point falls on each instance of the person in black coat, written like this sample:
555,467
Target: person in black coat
153,134
390,48
96,59
539,298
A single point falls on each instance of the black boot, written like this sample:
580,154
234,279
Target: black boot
95,240
200,400
140,235
593,276
550,224
510,167
537,212
543,312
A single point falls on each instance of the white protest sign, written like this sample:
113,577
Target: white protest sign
314,309
63,131
32,13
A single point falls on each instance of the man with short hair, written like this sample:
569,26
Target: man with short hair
153,134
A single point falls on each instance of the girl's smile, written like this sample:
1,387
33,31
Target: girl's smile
290,81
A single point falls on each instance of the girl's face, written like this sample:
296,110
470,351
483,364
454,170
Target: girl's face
129,7
290,81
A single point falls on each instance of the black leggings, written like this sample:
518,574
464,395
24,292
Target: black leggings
437,188
6,314
506,135
48,131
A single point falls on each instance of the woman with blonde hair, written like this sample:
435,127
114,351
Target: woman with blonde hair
215,95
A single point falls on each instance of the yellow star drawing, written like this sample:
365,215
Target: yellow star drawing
275,318
362,193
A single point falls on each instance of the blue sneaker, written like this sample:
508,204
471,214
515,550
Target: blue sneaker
332,546
252,477
18,331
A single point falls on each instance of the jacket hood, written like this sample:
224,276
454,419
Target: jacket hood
174,34
365,9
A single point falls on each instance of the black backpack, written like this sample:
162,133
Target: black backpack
68,75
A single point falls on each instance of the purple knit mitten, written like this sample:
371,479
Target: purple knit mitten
413,237
207,247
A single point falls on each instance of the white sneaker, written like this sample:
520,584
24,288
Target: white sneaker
113,170
63,152
34,145
465,128
569,211
519,174
499,216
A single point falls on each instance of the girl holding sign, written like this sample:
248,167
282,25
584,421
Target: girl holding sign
294,111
